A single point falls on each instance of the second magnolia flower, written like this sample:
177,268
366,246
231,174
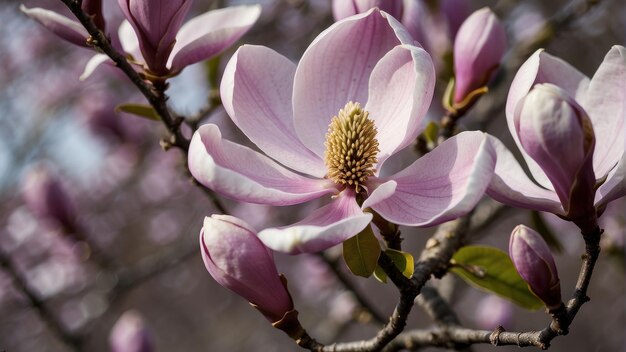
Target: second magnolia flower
358,96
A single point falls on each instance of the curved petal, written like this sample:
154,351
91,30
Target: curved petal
210,33
93,64
70,30
510,184
256,92
322,229
242,174
129,41
605,102
542,67
336,69
400,91
615,185
442,185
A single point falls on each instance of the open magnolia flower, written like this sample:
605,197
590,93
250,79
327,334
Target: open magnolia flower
156,40
357,97
570,131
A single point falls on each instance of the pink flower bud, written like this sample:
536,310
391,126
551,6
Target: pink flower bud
346,8
156,23
557,134
46,198
65,28
535,264
130,334
478,48
237,260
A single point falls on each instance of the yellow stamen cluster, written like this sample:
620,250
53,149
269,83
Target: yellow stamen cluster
351,147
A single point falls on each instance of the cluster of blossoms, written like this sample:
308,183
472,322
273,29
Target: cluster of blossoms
358,96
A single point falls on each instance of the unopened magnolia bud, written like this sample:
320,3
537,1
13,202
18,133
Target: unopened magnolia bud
46,198
557,134
130,334
535,264
478,49
239,261
346,8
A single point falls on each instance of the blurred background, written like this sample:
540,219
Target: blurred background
97,220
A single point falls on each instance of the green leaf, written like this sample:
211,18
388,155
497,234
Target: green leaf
380,274
544,230
403,261
361,252
145,111
431,132
491,269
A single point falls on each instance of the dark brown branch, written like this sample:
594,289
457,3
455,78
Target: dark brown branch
74,342
450,335
153,93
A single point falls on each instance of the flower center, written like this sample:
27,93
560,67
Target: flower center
351,147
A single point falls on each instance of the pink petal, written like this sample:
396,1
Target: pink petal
209,34
510,185
322,229
442,185
93,64
336,69
542,67
400,91
615,185
345,8
129,41
256,92
242,174
70,30
605,102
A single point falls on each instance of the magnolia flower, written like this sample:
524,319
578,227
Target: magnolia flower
535,264
478,49
571,135
358,96
237,260
65,28
347,8
158,40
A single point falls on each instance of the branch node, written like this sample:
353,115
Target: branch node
494,338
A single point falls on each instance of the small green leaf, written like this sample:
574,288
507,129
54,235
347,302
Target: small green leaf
403,261
145,111
544,230
361,252
431,132
380,274
491,269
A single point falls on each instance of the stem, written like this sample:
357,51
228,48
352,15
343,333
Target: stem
47,315
154,93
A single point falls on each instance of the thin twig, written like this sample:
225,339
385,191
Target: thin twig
74,342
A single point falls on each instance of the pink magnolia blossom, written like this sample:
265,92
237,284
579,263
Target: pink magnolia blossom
67,29
237,260
478,49
159,40
562,151
309,118
535,264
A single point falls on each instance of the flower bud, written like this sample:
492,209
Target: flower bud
130,334
237,260
46,198
535,264
346,8
557,134
156,23
478,48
